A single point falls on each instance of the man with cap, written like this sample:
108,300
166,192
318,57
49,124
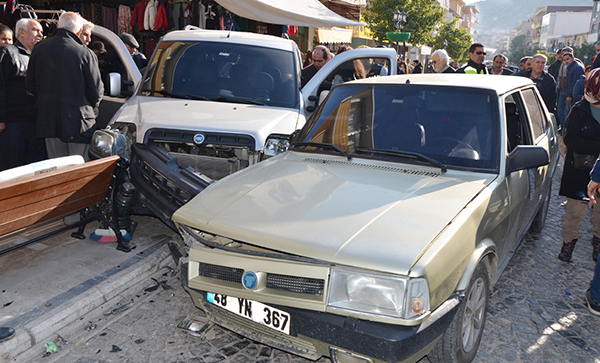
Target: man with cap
132,46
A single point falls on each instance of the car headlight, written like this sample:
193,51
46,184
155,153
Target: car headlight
379,294
107,143
275,146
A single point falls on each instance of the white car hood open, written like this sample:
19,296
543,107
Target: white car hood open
348,213
208,116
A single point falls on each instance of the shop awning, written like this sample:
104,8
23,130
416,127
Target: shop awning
335,35
287,12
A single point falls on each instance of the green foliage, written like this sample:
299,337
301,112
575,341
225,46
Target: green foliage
459,41
422,17
518,49
586,49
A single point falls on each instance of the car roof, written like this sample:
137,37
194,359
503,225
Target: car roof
234,37
499,84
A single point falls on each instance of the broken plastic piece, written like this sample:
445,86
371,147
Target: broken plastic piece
50,346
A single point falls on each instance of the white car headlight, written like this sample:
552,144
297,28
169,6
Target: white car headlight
275,146
380,294
107,143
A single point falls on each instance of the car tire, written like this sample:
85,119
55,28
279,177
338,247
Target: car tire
539,221
460,341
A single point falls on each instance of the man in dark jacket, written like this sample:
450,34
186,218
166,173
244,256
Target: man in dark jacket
18,143
65,80
499,67
543,80
555,66
476,58
574,71
320,56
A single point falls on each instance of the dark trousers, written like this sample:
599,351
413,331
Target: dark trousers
19,145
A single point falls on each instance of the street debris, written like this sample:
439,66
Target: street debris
8,303
115,349
91,326
51,346
139,341
120,307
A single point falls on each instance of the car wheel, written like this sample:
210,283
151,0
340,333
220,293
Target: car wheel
540,218
460,342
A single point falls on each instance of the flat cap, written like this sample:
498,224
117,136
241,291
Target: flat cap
129,40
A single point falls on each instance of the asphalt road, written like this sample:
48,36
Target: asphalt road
537,313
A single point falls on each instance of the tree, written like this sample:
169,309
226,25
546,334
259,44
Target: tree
458,41
422,17
586,52
518,48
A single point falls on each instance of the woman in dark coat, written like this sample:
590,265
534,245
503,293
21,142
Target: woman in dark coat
418,66
582,138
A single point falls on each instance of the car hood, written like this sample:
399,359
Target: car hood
208,116
363,213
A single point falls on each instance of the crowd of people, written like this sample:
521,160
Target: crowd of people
50,89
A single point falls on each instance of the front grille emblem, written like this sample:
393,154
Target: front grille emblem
249,280
199,138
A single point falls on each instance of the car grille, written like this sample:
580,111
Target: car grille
301,285
159,184
233,140
356,165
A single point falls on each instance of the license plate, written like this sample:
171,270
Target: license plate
258,312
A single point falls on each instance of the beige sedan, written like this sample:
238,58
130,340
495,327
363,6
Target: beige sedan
378,235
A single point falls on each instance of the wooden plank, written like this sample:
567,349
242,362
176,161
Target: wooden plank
51,179
38,198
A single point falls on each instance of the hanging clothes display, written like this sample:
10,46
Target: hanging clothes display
124,25
150,15
109,18
137,17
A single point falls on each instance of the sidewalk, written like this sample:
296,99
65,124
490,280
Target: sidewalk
49,284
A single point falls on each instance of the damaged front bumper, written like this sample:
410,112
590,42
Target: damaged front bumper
314,334
161,184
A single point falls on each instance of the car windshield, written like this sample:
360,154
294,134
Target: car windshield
223,72
456,127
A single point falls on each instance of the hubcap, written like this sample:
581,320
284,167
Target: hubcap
473,319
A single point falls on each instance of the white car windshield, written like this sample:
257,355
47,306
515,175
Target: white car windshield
457,127
223,72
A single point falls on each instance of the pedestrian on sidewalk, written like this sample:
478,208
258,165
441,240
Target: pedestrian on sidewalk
582,139
592,295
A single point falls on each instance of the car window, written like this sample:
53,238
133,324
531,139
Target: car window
536,116
224,70
456,126
517,127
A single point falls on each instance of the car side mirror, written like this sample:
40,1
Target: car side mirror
114,84
527,157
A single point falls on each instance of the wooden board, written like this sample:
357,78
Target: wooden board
38,198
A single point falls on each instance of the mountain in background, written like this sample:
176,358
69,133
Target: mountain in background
504,15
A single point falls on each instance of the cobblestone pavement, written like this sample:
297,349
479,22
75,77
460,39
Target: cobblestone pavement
537,313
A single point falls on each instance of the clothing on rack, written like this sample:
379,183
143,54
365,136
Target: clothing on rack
109,18
137,18
124,22
150,15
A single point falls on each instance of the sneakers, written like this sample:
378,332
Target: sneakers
593,306
596,248
6,333
567,250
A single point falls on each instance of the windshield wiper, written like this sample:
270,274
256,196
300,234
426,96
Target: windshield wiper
324,145
177,95
238,100
406,154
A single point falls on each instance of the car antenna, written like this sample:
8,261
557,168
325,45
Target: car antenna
408,81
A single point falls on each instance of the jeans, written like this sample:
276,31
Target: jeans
595,283
561,107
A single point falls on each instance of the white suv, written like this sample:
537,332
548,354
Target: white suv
212,103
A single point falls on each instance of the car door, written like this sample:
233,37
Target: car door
130,78
520,183
322,82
